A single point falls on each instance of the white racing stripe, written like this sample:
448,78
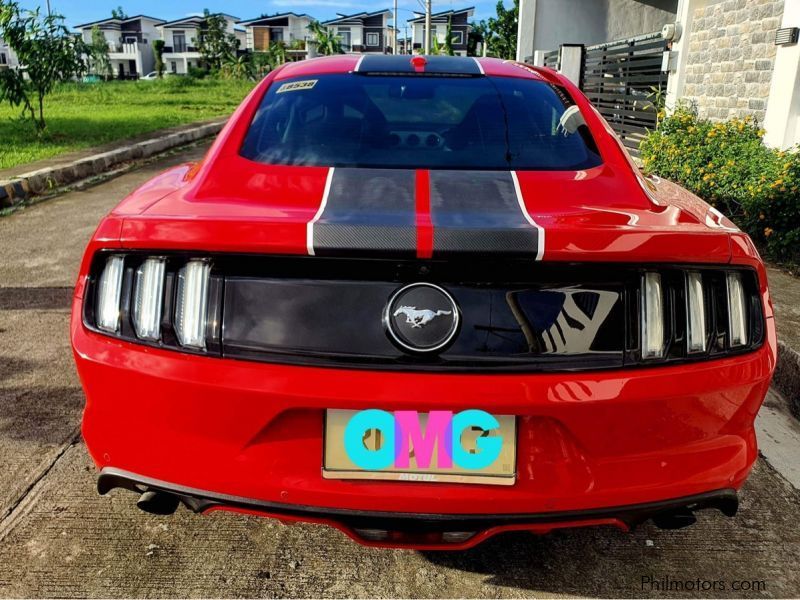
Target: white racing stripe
358,64
480,66
310,224
539,228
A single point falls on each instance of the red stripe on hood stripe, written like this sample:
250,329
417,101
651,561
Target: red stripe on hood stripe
424,224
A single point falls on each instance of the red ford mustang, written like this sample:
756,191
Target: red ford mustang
424,300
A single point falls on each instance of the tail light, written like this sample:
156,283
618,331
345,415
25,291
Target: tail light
148,299
109,292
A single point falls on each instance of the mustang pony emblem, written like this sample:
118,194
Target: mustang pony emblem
420,318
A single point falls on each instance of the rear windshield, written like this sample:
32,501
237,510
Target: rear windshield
386,121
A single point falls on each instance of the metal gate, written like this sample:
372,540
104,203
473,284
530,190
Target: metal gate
551,59
626,83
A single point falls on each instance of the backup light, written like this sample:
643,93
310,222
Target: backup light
737,322
190,312
652,316
696,338
109,291
148,299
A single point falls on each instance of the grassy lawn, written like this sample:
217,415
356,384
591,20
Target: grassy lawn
85,115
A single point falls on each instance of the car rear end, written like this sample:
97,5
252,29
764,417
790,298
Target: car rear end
437,237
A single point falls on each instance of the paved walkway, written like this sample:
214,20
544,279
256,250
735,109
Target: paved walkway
59,538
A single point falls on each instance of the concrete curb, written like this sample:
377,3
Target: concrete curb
787,377
22,188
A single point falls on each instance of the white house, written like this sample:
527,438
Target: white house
284,27
458,20
362,32
8,58
181,41
729,58
130,43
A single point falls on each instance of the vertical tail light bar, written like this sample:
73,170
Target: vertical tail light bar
109,290
148,299
192,304
652,316
696,332
737,319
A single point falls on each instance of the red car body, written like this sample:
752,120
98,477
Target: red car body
594,446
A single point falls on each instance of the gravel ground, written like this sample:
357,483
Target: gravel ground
59,539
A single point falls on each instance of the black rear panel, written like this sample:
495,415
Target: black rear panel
514,314
544,319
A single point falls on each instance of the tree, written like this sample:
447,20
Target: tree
447,47
478,35
238,67
118,13
327,42
48,52
216,45
158,51
500,33
98,53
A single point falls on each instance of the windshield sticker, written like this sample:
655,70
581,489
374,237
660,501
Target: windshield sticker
293,86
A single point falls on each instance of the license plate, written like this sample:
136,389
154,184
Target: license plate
338,465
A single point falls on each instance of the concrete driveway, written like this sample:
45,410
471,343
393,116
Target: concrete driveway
59,538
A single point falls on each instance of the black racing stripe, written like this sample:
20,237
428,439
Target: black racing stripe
369,211
478,212
454,65
438,65
386,63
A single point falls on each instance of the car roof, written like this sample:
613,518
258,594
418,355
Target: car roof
405,63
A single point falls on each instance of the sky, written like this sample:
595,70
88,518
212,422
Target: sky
84,11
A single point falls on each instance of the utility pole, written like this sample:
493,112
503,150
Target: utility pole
427,26
396,29
48,8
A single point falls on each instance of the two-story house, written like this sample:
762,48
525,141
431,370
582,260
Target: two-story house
181,38
130,43
289,28
362,32
459,27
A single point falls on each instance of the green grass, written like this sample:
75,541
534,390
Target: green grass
84,115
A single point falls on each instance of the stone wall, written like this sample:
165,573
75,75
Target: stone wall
731,57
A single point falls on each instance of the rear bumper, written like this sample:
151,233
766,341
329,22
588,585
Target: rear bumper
435,531
586,441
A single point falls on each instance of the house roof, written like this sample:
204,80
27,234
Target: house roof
120,21
196,19
444,14
247,22
356,16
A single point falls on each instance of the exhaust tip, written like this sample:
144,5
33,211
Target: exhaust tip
677,519
158,503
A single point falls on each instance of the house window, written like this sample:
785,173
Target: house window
174,66
345,37
373,39
457,38
3,59
178,41
276,34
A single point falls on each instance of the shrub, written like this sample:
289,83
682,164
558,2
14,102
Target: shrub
728,166
197,73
